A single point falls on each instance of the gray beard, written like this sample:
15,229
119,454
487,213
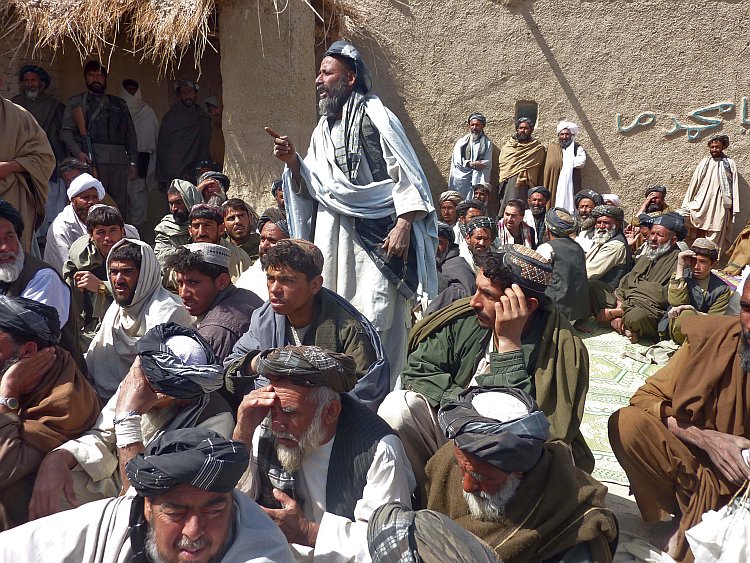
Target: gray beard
655,253
536,212
32,93
217,199
333,103
291,458
566,144
156,557
601,238
475,137
10,272
491,508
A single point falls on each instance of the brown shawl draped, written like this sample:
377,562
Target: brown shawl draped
739,252
552,166
24,141
524,159
61,407
556,507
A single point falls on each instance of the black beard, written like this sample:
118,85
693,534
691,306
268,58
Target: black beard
566,144
523,137
653,207
97,88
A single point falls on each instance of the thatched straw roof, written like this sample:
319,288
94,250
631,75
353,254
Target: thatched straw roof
159,30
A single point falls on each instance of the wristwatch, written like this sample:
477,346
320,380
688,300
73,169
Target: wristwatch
10,402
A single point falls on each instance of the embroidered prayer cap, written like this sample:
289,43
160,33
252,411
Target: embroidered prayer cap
499,425
705,247
39,71
188,456
482,187
588,194
645,219
478,116
674,222
530,269
482,222
211,253
344,50
524,120
218,176
569,125
540,190
178,362
560,222
184,82
276,186
309,366
85,182
608,211
451,195
463,207
25,318
723,139
395,532
10,213
446,231
656,189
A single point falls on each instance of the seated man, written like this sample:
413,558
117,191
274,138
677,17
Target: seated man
213,187
465,212
586,201
84,192
456,279
640,300
500,481
85,270
569,288
534,216
681,439
508,334
321,462
273,228
512,229
481,192
172,230
481,234
140,303
44,400
177,511
23,275
301,311
448,203
398,533
240,224
637,237
277,192
168,387
222,311
694,289
609,257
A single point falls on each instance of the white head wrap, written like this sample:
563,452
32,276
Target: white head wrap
569,125
211,253
85,182
613,198
187,349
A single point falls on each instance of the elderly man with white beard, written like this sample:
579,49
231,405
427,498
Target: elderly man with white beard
321,462
499,480
360,195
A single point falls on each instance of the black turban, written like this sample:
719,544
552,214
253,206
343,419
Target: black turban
218,176
541,190
515,445
658,189
167,373
29,320
674,222
188,456
588,194
7,211
723,139
39,71
560,222
645,219
478,116
276,186
343,50
482,222
207,164
612,211
526,120
463,207
275,216
446,231
309,366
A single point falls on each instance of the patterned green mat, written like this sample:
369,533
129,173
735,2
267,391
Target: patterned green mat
613,380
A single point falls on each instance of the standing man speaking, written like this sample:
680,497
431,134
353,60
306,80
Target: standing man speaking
361,196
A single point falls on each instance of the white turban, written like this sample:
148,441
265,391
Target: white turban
614,198
85,182
569,125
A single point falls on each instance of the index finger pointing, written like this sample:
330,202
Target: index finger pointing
271,132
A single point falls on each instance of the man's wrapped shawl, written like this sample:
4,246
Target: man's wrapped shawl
372,204
517,158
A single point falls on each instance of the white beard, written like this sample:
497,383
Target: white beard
601,238
291,458
10,272
491,508
656,253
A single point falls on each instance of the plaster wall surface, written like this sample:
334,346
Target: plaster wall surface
436,61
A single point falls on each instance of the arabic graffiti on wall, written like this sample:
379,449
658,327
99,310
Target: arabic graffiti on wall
705,119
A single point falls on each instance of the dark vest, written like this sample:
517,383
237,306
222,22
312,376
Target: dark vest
569,288
69,337
358,432
110,126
